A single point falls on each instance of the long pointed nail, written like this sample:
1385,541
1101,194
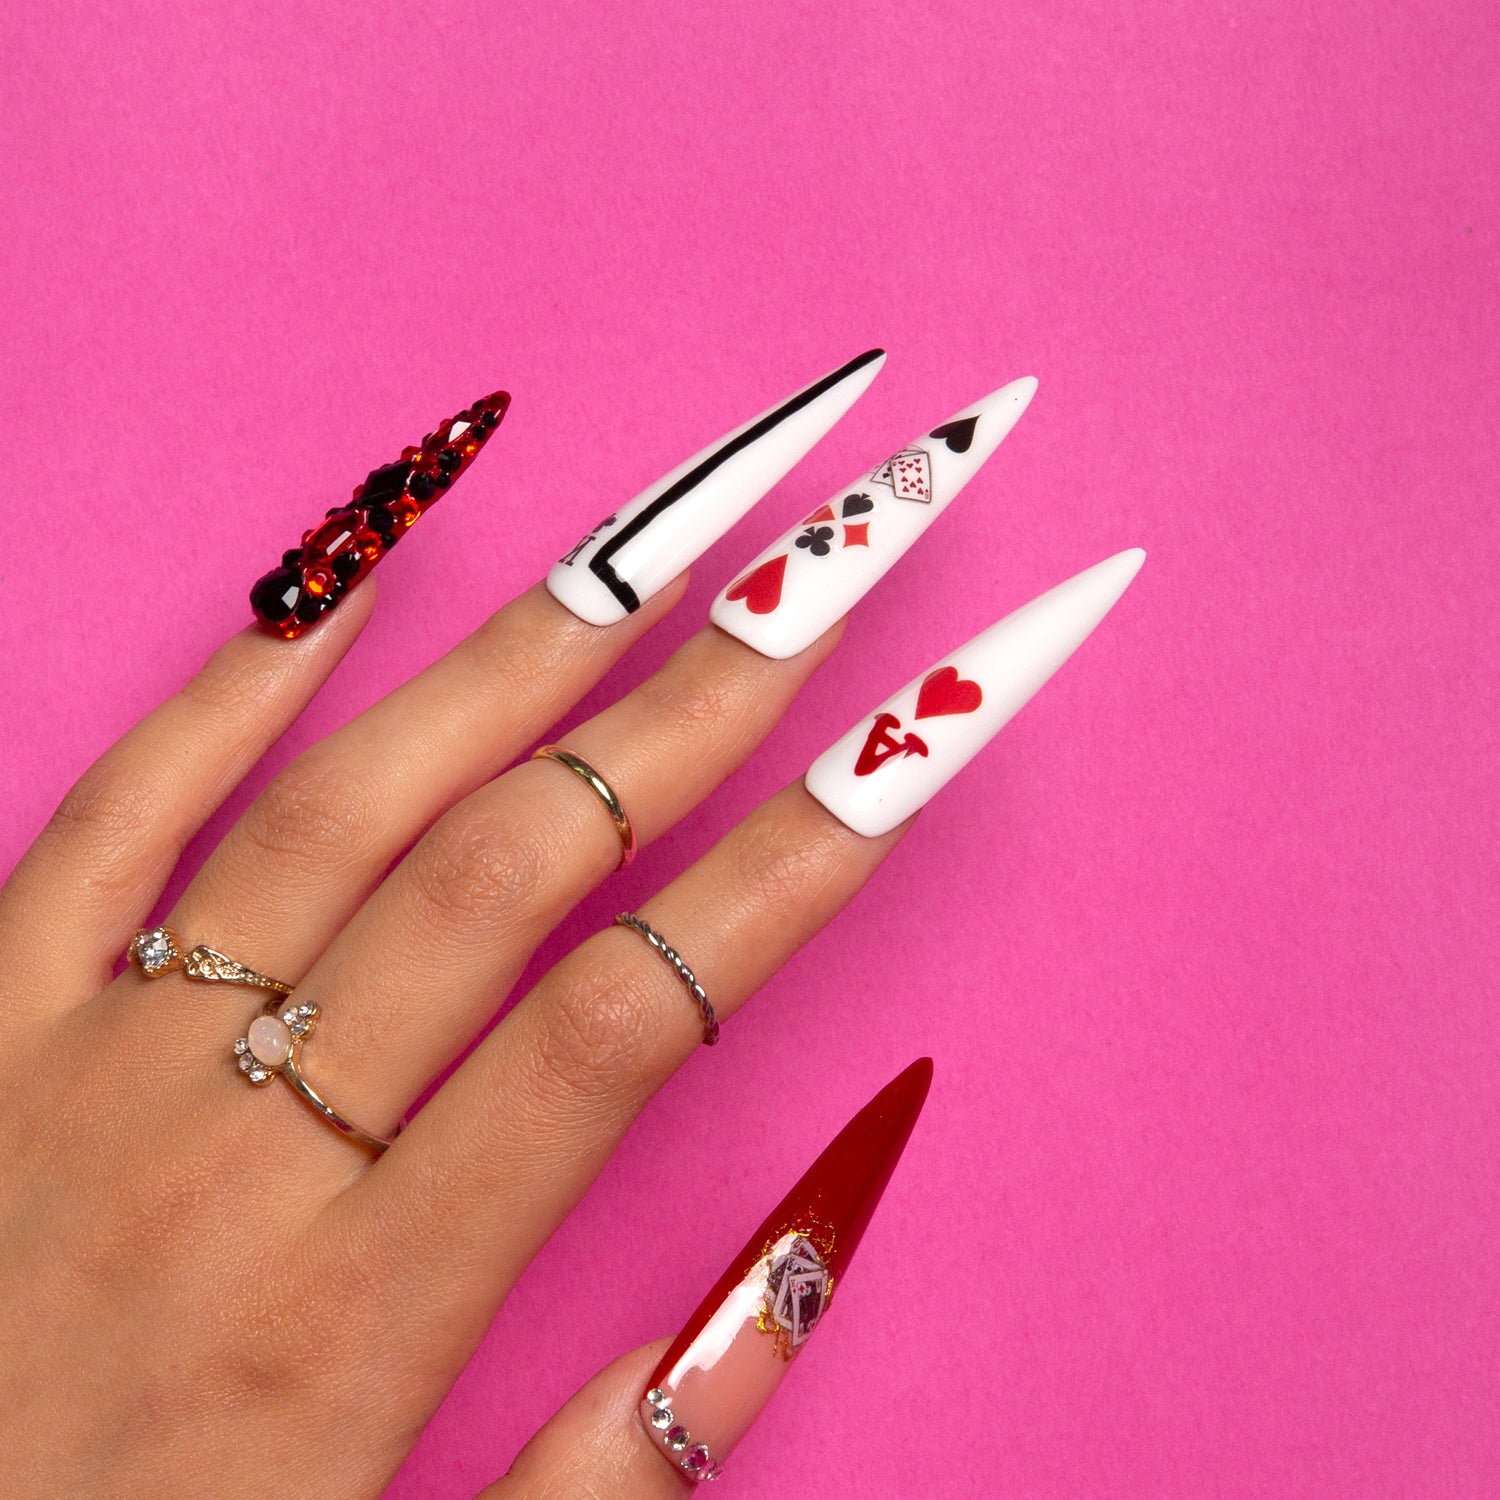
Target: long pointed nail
643,546
726,1364
337,553
825,564
894,760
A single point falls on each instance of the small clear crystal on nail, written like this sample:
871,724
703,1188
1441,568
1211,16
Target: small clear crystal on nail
661,1416
658,1397
677,1439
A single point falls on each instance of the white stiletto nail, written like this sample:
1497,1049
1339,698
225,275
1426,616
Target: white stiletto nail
895,759
826,563
643,546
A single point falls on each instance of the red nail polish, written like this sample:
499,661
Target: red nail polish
336,554
729,1359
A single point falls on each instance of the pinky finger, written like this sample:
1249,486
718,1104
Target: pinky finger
662,1415
101,862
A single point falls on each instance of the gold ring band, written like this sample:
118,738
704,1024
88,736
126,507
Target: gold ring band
158,950
273,1047
601,789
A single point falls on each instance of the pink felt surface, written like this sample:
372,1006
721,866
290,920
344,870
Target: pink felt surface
1204,947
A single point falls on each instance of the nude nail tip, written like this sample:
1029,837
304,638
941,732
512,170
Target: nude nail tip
734,1351
637,550
902,754
820,568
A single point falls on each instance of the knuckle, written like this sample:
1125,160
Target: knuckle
601,1027
699,700
779,867
312,815
112,809
471,868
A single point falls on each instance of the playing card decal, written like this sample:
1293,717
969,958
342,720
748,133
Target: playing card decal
909,473
961,704
666,527
836,554
798,1288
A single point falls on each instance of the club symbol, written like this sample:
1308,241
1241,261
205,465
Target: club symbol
816,540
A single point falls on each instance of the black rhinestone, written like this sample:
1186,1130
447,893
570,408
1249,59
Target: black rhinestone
489,420
442,481
380,519
449,459
385,483
291,557
275,596
345,566
328,515
309,607
421,487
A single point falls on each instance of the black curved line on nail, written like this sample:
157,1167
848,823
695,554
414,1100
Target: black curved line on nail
599,563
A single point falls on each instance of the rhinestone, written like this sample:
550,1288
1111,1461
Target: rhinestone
695,1458
658,1397
257,1075
304,1010
299,1028
289,1016
246,1062
677,1439
661,1416
242,1045
155,949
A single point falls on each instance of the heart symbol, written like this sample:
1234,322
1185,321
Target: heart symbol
958,435
761,589
857,505
945,692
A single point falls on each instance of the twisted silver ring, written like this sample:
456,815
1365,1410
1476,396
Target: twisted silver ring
685,974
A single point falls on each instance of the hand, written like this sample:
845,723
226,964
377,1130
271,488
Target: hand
206,1290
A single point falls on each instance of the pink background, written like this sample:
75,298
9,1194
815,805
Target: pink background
1204,1200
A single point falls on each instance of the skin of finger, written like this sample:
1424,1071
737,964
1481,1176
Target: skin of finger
512,1140
316,841
101,862
594,1449
449,932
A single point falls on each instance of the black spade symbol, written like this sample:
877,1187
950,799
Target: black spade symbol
855,505
958,435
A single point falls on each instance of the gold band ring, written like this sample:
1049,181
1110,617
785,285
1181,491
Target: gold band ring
601,789
158,950
273,1046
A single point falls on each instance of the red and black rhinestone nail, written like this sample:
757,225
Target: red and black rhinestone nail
335,555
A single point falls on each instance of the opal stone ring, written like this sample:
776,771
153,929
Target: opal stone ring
158,950
272,1047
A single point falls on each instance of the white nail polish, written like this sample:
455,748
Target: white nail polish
898,757
643,546
823,566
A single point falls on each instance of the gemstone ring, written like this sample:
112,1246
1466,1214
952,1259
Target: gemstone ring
158,950
272,1047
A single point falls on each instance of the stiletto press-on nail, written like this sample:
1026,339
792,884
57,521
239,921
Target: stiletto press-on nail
337,553
643,546
726,1364
898,757
825,564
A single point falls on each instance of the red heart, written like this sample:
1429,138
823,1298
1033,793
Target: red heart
945,692
761,590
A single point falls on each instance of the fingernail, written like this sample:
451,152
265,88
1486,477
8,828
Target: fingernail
726,1364
913,745
332,558
643,546
823,566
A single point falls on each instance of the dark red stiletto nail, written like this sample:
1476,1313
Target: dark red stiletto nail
335,555
727,1363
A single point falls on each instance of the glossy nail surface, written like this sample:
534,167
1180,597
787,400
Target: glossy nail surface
727,1362
789,595
336,554
909,748
639,549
